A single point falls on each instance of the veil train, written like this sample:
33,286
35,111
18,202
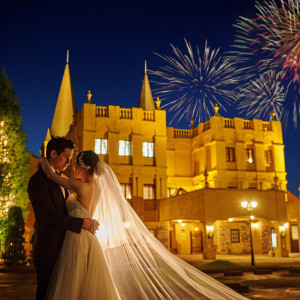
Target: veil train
141,267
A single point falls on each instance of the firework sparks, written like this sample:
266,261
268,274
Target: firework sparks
264,96
191,85
271,41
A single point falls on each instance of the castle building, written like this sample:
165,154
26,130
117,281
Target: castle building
187,185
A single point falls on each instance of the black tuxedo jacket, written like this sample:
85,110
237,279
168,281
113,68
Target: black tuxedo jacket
52,221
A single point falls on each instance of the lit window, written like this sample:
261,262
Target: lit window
235,235
274,238
148,149
101,146
268,157
170,192
124,148
249,155
230,157
149,191
126,187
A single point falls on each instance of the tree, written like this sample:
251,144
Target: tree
14,242
14,159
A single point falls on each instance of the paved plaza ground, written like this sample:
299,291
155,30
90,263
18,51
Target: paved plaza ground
280,285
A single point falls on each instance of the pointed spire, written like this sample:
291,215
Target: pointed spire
65,108
48,136
146,99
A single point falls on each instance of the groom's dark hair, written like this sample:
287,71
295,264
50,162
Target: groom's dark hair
59,144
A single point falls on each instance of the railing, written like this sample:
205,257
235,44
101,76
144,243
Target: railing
149,115
125,113
266,126
182,133
101,111
14,253
248,125
206,126
229,123
195,132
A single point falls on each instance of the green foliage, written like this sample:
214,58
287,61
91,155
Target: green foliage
14,159
14,241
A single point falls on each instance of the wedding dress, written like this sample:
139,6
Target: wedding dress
141,267
81,271
123,260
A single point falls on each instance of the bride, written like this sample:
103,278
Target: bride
123,260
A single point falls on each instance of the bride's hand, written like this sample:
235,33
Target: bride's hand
46,167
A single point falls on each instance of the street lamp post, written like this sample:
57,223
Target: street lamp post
249,206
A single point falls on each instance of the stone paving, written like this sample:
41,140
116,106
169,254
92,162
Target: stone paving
17,285
281,285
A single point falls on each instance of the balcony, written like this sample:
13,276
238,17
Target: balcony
125,113
248,125
182,133
206,126
228,123
149,115
266,126
101,111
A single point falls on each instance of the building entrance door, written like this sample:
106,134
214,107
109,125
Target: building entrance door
294,238
196,242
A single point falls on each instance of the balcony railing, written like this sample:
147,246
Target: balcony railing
182,133
248,125
195,132
206,126
266,126
229,123
125,113
149,115
101,111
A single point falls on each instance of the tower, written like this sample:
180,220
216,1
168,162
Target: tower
146,99
65,109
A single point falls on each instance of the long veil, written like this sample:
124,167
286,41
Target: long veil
141,267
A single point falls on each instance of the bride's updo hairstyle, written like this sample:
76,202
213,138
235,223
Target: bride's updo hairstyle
87,160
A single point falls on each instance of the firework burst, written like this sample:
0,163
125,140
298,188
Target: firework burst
264,96
190,85
271,41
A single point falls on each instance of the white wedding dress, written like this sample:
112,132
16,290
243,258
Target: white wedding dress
123,260
81,271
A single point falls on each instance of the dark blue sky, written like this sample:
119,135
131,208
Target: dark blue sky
108,42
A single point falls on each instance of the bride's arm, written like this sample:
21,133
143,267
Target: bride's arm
70,184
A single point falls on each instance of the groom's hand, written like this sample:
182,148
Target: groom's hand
90,225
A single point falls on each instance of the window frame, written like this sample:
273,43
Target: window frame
127,146
101,146
127,190
148,149
152,191
269,157
248,156
235,238
230,156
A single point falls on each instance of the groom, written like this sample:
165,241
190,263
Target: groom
52,219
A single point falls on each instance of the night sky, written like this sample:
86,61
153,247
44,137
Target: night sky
108,43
